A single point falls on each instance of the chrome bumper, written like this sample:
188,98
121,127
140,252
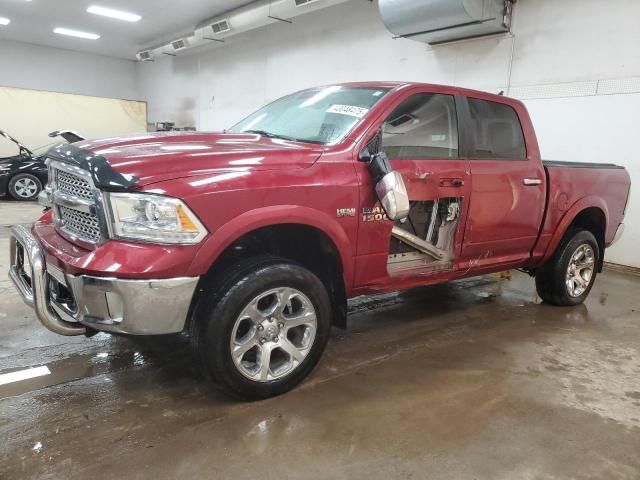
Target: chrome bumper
135,307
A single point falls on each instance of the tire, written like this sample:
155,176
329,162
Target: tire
556,284
236,316
24,186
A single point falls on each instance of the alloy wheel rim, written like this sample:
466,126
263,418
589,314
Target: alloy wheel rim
580,270
25,187
273,334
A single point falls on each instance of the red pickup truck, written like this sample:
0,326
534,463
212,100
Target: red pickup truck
252,240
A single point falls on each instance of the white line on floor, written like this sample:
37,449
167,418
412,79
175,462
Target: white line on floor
23,375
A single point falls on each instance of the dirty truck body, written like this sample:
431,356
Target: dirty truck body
252,240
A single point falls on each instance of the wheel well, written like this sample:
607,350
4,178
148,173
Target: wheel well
302,244
593,220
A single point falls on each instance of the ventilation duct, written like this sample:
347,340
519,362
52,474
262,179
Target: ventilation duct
179,44
145,56
439,21
255,15
221,27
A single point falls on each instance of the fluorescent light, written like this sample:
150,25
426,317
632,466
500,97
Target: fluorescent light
109,12
23,375
4,21
76,33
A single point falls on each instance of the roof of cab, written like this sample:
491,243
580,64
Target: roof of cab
435,86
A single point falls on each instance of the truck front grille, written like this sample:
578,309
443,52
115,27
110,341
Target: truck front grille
74,203
73,185
80,224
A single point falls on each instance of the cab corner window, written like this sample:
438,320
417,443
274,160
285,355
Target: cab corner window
496,131
424,126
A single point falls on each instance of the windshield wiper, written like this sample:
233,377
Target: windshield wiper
264,133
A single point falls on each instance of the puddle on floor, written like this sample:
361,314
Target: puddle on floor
73,368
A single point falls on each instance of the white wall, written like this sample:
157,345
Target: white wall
568,60
29,115
24,65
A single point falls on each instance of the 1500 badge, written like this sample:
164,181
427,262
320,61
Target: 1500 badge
369,214
373,214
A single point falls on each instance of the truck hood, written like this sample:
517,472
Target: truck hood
155,157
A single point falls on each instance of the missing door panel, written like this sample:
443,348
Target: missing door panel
425,241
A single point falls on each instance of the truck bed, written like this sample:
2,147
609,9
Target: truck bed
574,186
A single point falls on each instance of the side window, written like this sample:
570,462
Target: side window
423,126
496,131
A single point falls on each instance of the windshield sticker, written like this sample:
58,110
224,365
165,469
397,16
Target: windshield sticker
350,110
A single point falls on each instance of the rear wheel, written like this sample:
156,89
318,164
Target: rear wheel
266,329
25,186
569,275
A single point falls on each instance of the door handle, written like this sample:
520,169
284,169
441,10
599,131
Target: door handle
452,182
530,182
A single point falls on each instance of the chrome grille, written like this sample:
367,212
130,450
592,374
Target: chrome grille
83,225
73,185
75,205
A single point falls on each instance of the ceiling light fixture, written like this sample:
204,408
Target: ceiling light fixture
4,21
76,33
110,12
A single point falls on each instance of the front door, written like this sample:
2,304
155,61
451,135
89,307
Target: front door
420,137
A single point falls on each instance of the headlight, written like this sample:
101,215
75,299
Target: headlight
153,218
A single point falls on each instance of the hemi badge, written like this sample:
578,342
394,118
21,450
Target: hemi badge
346,212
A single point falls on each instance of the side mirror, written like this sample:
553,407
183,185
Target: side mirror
365,155
373,147
390,187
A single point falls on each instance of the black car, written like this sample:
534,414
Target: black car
22,176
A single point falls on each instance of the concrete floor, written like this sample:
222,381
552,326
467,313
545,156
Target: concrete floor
471,380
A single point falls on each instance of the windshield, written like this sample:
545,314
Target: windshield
319,115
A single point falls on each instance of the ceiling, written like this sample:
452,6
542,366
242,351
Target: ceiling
33,21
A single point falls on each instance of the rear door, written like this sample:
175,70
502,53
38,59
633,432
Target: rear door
508,187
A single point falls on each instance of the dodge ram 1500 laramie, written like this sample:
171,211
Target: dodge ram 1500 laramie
252,240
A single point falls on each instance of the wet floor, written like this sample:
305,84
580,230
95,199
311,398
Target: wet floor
470,380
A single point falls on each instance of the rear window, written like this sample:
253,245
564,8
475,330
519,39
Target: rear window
496,130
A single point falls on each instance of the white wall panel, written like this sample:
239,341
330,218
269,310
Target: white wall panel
574,40
24,65
173,88
29,116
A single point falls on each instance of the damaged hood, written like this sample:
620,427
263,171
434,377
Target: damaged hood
155,157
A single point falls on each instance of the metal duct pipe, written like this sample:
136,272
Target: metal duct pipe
250,17
437,21
418,243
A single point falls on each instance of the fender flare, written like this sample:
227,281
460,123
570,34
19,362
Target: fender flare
584,203
252,220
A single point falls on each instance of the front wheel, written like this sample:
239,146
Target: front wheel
265,329
25,186
569,275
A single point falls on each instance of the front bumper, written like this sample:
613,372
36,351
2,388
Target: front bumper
67,304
